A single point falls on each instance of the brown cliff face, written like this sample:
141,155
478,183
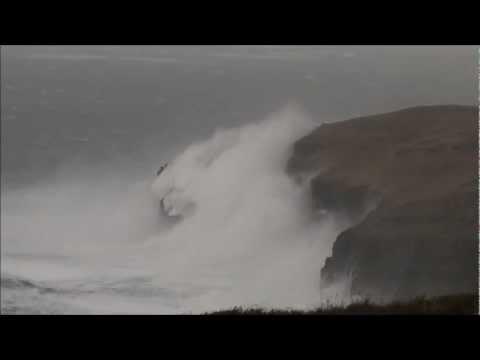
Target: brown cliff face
419,168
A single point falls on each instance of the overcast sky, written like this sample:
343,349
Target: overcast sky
133,102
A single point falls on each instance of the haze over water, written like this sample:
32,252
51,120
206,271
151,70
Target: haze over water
84,130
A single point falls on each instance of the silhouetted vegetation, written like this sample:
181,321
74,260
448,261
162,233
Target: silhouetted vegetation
465,304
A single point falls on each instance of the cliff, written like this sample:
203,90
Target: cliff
408,181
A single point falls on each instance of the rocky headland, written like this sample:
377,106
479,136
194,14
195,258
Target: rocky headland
408,182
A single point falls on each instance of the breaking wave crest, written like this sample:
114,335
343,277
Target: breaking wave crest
246,235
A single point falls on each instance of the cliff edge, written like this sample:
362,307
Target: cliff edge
408,181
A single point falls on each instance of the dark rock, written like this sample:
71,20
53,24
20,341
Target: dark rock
415,173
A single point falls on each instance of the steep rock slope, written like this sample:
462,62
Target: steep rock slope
408,181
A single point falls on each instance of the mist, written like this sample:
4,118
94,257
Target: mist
250,239
85,128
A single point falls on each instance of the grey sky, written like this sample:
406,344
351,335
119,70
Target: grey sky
99,103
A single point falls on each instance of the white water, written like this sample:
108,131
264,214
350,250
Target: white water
98,244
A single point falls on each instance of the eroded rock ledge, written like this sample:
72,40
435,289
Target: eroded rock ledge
414,172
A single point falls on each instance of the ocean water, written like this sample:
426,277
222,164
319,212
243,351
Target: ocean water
84,129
